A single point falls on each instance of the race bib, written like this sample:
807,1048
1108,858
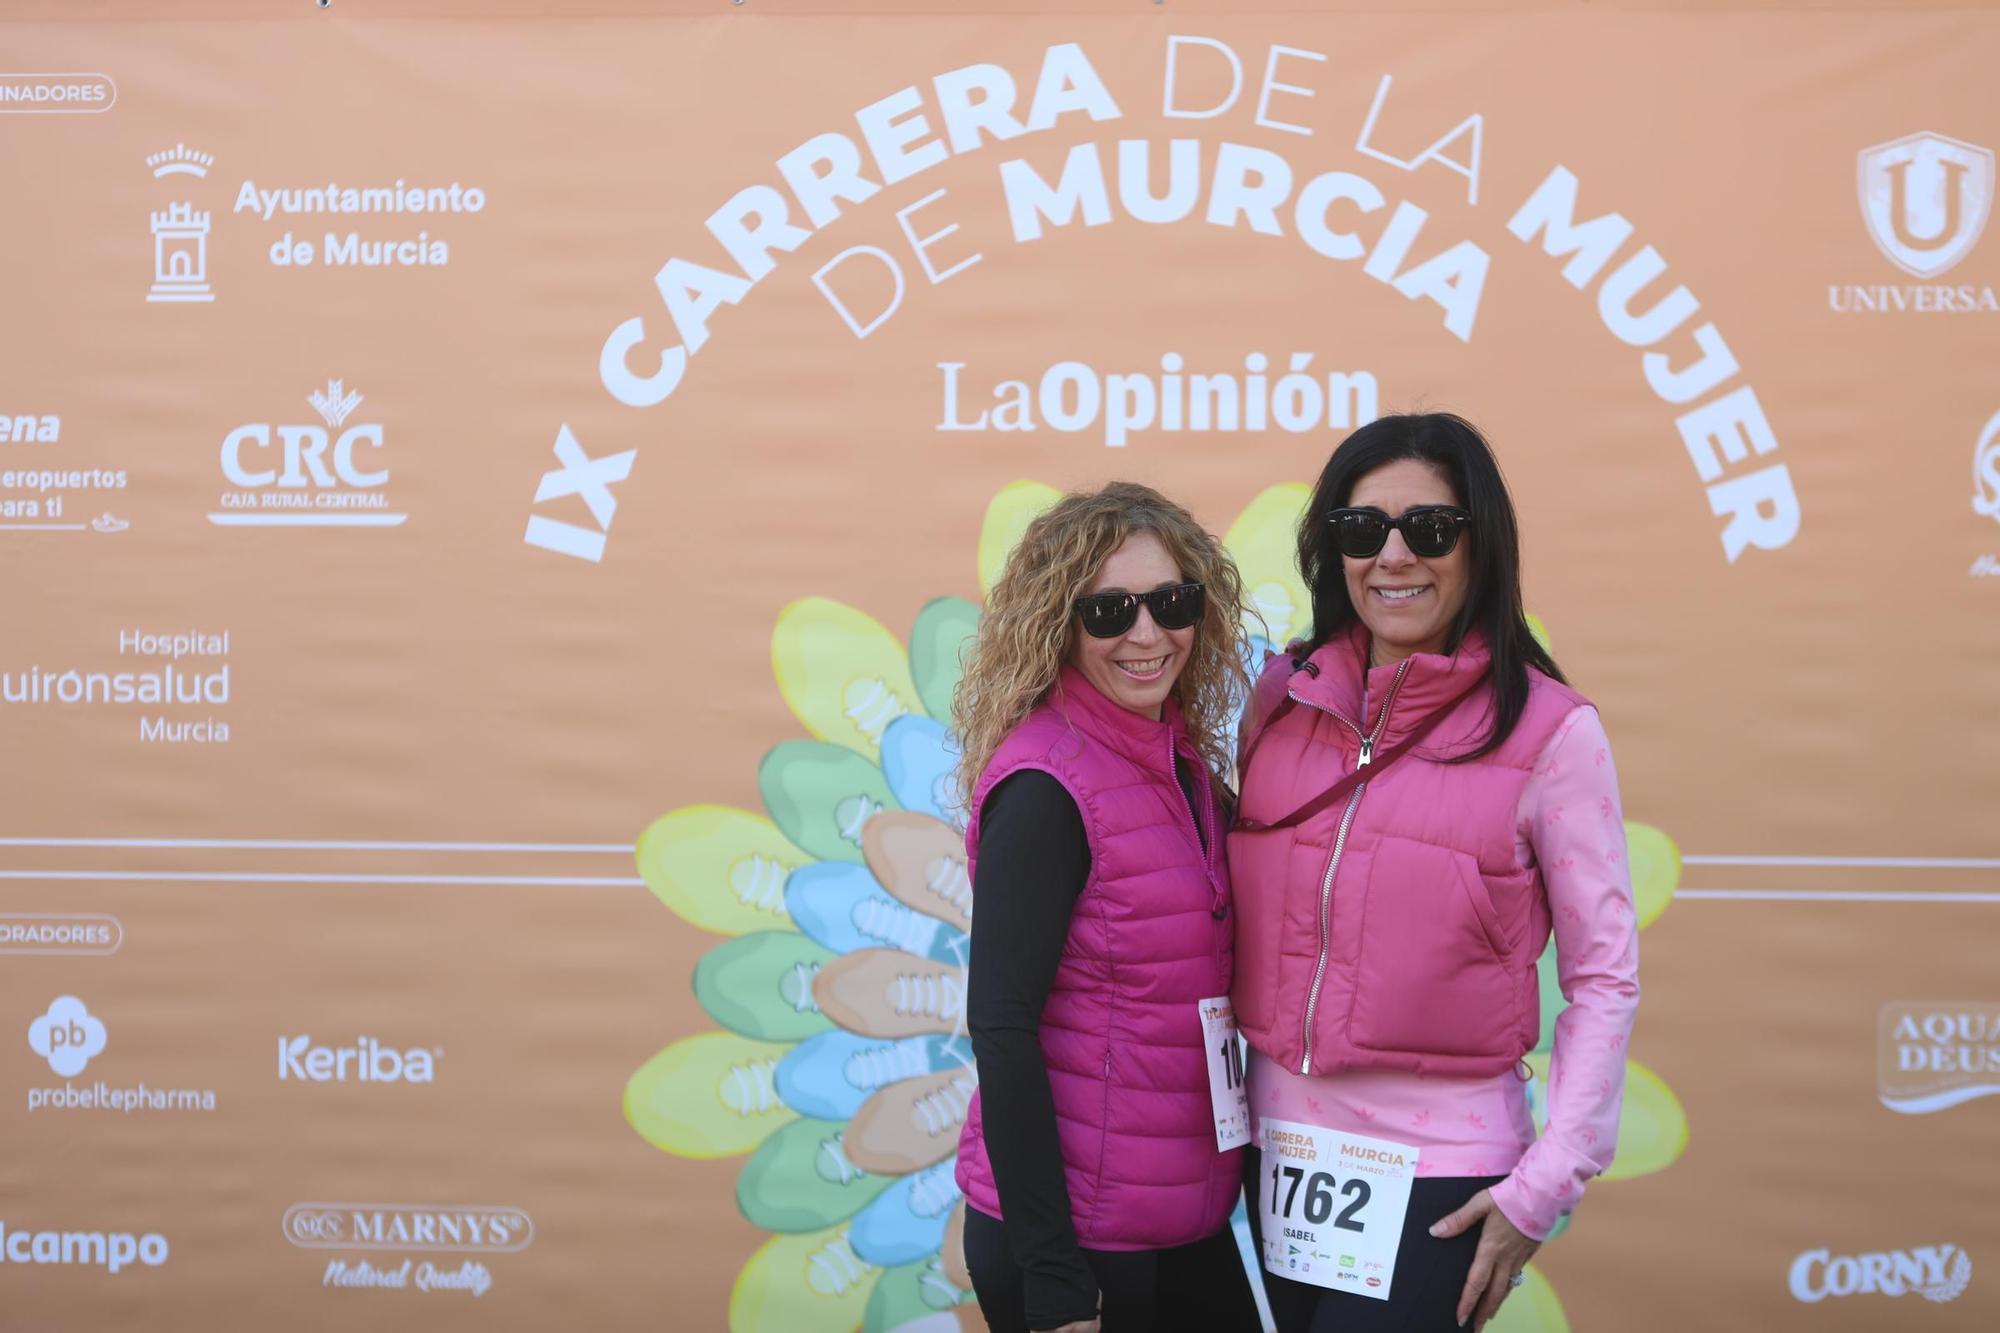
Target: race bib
1225,1073
1331,1206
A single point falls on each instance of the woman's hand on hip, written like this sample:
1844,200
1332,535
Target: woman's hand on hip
1504,1250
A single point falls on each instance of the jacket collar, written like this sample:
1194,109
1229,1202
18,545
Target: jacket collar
1140,739
1332,679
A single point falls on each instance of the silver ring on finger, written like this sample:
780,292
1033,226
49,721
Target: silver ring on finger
1516,1280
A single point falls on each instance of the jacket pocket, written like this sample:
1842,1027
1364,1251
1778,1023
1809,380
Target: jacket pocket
1432,970
1259,867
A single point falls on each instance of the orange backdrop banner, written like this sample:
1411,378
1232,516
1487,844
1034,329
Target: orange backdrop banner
492,499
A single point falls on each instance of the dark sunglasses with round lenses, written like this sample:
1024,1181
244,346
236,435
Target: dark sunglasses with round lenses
1430,531
1106,615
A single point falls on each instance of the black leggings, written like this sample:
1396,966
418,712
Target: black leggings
1430,1273
1198,1288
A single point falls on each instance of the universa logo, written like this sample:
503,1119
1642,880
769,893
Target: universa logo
1934,1056
327,475
67,1036
463,1228
1938,1273
1925,198
367,1061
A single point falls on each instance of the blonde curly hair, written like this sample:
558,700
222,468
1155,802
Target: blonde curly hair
1029,623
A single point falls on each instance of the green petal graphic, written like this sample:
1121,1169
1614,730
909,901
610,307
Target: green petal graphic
909,1293
821,794
799,1179
761,985
938,640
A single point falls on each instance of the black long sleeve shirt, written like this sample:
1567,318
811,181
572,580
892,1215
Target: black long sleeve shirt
1034,859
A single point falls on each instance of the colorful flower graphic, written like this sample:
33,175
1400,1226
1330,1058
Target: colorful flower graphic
840,1068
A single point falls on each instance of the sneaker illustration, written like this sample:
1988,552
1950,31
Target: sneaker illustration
888,993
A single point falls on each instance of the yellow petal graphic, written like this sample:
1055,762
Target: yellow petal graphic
709,1095
810,1283
1265,541
1541,633
719,868
1656,870
1652,1126
1007,518
844,675
1653,1129
1531,1308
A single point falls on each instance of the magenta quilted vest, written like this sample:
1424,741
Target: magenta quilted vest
1150,937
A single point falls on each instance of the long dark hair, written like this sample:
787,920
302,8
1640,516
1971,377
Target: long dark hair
1454,447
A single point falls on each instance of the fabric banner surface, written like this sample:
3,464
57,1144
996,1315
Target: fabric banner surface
492,498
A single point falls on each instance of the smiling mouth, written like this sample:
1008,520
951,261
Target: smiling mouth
1149,669
1399,596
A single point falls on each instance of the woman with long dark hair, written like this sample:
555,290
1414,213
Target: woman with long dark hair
1424,800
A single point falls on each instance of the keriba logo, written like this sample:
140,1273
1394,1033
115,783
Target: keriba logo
367,1061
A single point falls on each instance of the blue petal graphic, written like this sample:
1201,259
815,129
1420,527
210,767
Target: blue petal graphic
918,756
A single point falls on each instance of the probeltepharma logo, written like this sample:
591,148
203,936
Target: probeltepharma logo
1925,199
109,1250
329,475
1931,1057
70,1037
1937,1273
454,1228
67,1036
366,1061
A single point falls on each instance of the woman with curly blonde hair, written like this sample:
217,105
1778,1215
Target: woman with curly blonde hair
1095,716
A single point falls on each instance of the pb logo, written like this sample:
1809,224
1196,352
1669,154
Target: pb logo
67,1036
328,475
1926,198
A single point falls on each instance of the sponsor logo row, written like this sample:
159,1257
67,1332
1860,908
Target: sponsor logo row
69,1037
364,1231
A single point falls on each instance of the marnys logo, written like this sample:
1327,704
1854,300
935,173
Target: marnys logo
1930,1057
458,1228
1935,1272
367,1061
67,1036
317,476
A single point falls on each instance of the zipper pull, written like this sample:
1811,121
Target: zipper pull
1367,751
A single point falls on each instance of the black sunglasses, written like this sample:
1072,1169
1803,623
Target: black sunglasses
1106,615
1429,530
